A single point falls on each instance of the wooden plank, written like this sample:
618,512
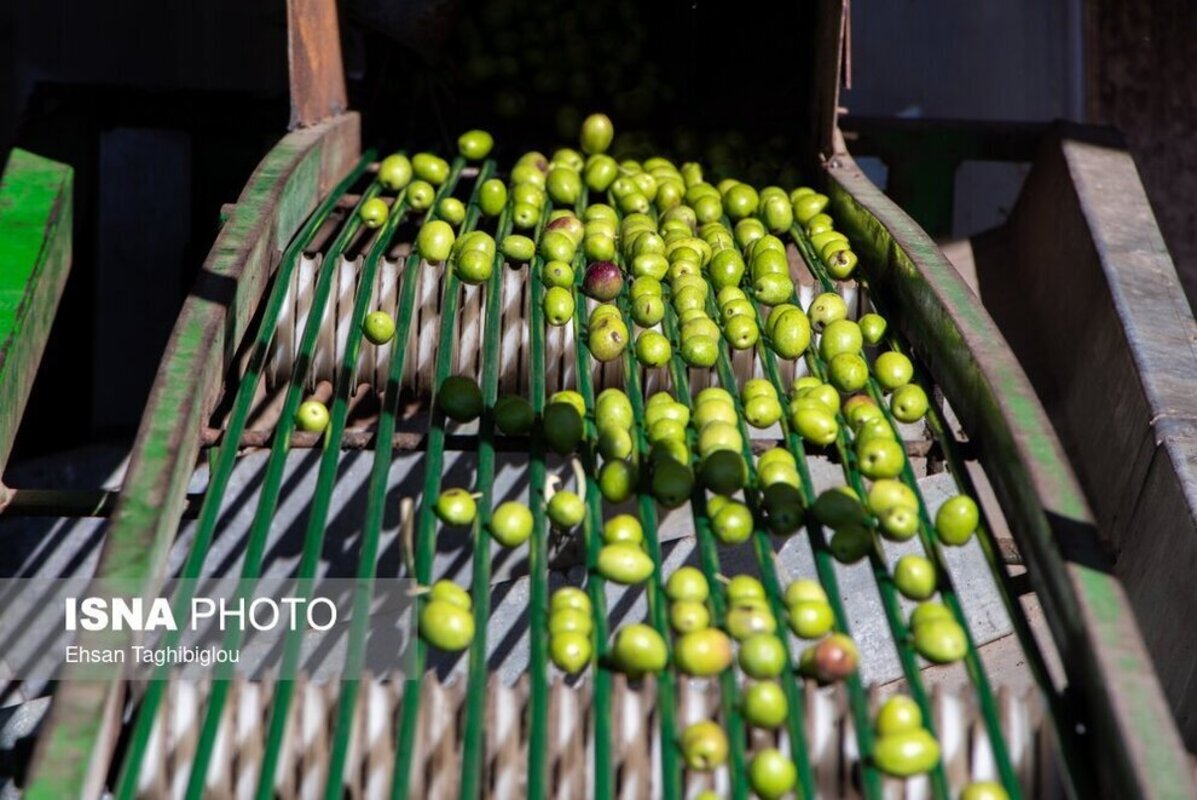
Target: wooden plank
830,42
35,259
1135,749
71,758
314,57
1108,338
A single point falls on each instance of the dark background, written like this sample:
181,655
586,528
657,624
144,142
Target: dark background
164,109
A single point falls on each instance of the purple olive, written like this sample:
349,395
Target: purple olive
604,281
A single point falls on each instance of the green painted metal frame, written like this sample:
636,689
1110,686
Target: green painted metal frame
1132,744
35,259
71,757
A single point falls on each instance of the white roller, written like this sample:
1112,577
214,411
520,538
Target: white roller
386,301
428,295
512,325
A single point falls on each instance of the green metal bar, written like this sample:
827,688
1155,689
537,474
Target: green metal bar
927,537
825,568
434,460
475,721
218,482
538,556
709,560
592,533
330,459
657,605
375,511
271,487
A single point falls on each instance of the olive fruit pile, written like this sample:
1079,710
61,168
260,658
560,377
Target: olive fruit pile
672,478
446,620
622,558
781,492
570,628
903,747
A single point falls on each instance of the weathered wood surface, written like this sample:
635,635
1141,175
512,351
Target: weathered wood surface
1082,282
35,259
72,757
314,57
1136,751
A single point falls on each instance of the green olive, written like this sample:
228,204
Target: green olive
688,616
451,210
570,652
672,483
778,472
530,174
613,408
984,790
492,197
525,216
765,705
373,212
848,372
724,472
892,370
435,241
394,172
906,754
887,493
741,332
851,543
431,168
624,563
703,653
957,519
791,334
899,714
741,201
420,195
566,510
726,269
929,611
557,274
744,589
748,618
450,592
456,507
687,584
474,267
804,590
704,746
733,524
762,655
607,338
667,430
909,403
623,529
570,597
558,306
872,328
562,425
639,649
811,619
460,398
597,133
841,264
446,626
617,481
825,309
899,523
514,415
771,774
784,510
840,506
653,349
941,641
615,442
880,458
564,185
570,620
915,577
475,145
841,336
378,327
860,408
511,524
816,424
